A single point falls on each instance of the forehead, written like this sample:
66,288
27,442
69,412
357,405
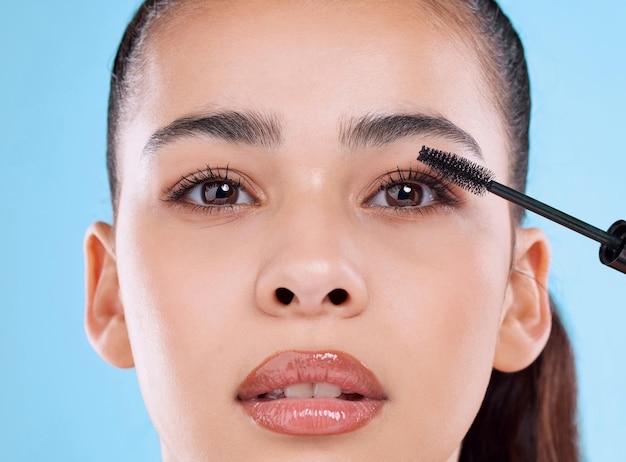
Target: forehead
315,57
196,36
235,21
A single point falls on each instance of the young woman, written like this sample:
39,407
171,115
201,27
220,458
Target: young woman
288,280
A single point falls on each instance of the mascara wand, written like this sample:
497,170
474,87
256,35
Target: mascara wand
478,180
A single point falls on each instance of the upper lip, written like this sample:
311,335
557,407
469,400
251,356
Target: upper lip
292,367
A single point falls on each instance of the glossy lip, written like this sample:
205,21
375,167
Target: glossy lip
311,416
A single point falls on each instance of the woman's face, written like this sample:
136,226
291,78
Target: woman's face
275,231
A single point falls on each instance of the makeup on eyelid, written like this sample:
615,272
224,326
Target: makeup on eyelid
406,190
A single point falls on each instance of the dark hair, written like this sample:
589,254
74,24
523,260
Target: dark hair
528,415
124,76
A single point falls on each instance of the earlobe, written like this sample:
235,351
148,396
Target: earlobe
105,323
527,319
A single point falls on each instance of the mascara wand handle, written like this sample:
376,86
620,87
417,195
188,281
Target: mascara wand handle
613,242
555,215
615,257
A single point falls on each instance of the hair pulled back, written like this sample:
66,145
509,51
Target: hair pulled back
526,416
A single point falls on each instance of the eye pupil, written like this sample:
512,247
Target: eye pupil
219,193
223,191
404,195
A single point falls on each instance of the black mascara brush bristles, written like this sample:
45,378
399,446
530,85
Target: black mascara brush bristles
458,170
478,180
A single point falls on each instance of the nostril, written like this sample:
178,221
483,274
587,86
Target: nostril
337,296
284,296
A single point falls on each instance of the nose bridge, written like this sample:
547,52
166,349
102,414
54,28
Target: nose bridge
316,226
315,217
312,267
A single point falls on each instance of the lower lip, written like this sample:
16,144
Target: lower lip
312,416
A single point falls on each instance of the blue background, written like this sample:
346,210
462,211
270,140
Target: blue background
59,401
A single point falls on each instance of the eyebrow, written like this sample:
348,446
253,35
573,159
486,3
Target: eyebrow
249,128
257,129
379,130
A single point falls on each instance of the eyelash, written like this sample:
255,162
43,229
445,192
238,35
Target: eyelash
177,194
446,199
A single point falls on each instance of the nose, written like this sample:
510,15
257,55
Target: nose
313,274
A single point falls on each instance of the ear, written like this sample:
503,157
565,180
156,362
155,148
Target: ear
526,318
104,315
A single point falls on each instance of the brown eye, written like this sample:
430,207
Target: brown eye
218,193
404,195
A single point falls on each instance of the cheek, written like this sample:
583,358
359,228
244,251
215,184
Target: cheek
184,305
442,314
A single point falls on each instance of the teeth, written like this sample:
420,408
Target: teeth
312,390
274,394
326,390
300,390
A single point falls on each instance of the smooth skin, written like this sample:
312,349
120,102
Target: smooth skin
437,295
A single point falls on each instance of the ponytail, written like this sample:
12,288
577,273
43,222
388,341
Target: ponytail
530,415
